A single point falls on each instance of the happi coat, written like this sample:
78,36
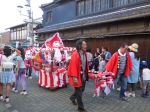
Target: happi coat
112,64
74,69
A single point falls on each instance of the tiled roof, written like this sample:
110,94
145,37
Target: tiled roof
108,17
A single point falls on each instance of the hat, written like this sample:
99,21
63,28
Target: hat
144,63
134,47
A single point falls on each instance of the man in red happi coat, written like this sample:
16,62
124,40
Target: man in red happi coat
78,73
121,65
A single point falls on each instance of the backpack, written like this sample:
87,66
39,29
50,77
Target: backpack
7,64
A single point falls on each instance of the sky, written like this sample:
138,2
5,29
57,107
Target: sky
10,16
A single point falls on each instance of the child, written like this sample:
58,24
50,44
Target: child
20,72
102,63
96,62
28,63
7,74
146,79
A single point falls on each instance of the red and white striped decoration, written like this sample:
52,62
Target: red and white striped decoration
53,79
101,81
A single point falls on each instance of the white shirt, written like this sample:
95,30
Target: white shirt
146,74
10,58
121,53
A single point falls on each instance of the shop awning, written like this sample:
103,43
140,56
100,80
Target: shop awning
23,45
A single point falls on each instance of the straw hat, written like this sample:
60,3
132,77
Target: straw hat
134,47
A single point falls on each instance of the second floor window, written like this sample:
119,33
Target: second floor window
104,4
49,16
88,6
18,34
96,5
133,1
80,8
117,3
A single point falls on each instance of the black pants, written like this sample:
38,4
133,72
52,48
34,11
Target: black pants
78,95
30,72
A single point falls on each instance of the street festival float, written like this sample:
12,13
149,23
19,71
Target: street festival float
52,73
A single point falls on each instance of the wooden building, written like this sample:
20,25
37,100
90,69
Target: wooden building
101,22
23,32
4,37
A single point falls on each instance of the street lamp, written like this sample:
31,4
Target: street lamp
30,22
27,7
20,8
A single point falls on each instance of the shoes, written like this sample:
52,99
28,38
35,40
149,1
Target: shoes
26,76
124,99
119,88
82,110
73,102
127,94
1,97
23,93
133,95
143,95
15,90
30,77
6,100
147,93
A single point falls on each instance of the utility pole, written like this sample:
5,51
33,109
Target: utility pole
31,33
30,22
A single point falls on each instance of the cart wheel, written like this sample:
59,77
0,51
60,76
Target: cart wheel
66,85
51,90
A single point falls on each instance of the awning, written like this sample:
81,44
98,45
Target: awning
23,45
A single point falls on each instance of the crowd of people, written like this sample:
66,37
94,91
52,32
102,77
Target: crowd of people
125,63
7,70
13,69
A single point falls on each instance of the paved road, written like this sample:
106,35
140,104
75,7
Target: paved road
43,100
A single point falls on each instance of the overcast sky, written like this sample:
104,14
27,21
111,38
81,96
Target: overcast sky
9,15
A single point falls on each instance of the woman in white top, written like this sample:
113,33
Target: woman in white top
7,75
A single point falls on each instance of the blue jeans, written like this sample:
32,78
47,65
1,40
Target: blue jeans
123,80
